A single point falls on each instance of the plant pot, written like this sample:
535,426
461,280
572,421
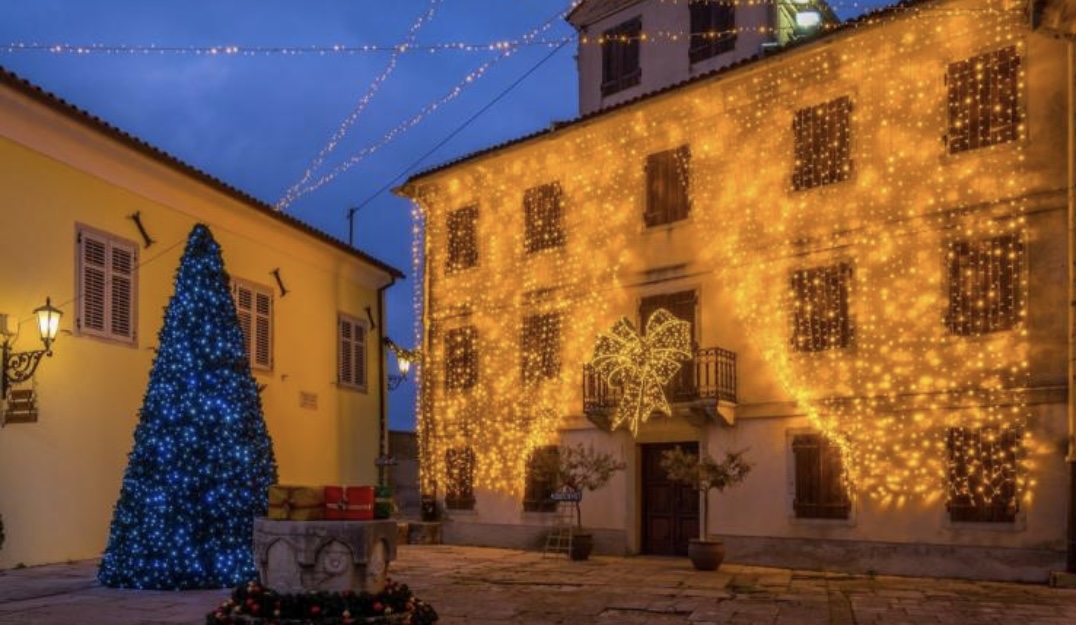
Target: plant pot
582,545
705,555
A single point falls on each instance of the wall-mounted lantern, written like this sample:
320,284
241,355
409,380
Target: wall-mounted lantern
20,366
404,359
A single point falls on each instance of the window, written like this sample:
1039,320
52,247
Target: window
820,318
620,56
982,474
541,479
682,386
461,358
983,100
107,285
667,180
540,346
713,28
820,487
823,152
985,292
544,217
351,359
462,239
254,305
459,472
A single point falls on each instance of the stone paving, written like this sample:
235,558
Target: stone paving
477,586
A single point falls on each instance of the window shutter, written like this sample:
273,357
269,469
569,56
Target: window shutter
263,330
359,355
107,270
92,302
244,304
122,292
346,373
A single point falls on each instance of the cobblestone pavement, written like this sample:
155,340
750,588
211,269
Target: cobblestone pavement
475,586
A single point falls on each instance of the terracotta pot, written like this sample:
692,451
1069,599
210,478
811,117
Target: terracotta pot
582,545
705,555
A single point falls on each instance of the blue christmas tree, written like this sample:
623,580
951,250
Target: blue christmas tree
202,460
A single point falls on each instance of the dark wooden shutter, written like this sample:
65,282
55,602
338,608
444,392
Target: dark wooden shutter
820,308
822,144
462,238
985,291
540,482
540,346
667,186
461,358
459,471
544,225
620,57
982,478
820,490
713,28
984,106
682,304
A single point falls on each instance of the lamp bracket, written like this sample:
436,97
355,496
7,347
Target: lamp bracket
20,366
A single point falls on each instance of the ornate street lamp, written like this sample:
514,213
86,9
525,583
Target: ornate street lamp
20,366
404,359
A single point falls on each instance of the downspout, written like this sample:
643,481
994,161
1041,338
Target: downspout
1070,564
383,430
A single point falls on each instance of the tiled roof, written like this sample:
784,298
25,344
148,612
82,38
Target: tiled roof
16,82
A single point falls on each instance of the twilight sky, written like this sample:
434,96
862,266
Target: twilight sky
257,121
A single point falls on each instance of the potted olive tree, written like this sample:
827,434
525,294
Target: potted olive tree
703,474
576,469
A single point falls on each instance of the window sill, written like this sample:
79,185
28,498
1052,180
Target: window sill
813,522
1019,525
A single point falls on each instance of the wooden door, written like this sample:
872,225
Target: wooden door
670,509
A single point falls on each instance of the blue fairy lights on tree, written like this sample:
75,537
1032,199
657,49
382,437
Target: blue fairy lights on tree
202,460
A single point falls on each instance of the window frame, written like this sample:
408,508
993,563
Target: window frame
462,239
355,348
668,202
968,509
621,61
459,483
251,336
1007,313
708,38
1005,100
461,368
543,214
834,501
538,490
109,285
822,144
540,360
819,330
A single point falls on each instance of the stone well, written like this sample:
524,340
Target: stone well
297,556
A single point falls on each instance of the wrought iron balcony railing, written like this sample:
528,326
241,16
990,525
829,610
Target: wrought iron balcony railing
711,374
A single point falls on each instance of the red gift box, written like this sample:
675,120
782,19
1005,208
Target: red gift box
349,503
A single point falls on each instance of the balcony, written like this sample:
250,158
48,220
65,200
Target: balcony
703,386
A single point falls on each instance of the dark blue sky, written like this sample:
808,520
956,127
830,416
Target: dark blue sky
256,122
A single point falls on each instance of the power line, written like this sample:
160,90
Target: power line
461,127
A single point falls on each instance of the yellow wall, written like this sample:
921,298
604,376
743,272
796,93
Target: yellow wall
907,197
60,477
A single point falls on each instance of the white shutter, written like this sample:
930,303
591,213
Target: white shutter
351,366
107,274
92,292
254,306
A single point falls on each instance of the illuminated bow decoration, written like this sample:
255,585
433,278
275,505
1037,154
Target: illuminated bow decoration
641,365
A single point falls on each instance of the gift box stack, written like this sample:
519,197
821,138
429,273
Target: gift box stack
333,503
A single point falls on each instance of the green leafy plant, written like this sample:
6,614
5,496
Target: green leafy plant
578,468
703,473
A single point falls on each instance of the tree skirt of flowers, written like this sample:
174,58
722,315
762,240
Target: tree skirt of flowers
253,604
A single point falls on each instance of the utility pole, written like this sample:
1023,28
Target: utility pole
351,225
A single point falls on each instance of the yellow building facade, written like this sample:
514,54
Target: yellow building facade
82,199
868,234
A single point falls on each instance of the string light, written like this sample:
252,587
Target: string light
640,365
910,240
371,91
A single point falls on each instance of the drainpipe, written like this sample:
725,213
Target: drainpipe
383,430
1071,125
